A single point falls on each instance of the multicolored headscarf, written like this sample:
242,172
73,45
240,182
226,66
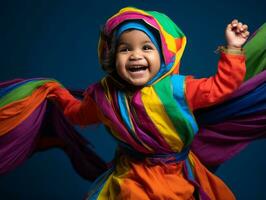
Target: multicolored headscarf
173,40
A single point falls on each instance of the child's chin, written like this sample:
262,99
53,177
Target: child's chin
138,83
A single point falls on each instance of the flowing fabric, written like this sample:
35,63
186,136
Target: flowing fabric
29,123
162,143
228,128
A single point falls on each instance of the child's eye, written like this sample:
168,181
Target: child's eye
147,47
123,49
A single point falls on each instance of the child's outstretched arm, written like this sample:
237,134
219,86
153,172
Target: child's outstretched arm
80,112
231,71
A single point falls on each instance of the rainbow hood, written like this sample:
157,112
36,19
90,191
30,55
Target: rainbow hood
173,40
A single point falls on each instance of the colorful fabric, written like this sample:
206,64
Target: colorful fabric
140,125
160,139
29,123
155,121
228,128
173,40
256,52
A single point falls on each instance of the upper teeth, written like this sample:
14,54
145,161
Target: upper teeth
135,67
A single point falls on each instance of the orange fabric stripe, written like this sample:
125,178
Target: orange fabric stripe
178,43
13,114
147,181
142,180
211,184
176,69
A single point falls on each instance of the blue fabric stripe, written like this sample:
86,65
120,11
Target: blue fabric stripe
252,102
97,186
178,83
123,110
163,69
9,88
189,170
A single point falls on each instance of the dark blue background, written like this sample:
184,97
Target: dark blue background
58,39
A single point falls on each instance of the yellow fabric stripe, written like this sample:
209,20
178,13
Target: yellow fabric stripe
131,9
112,185
106,89
180,52
104,194
160,118
169,40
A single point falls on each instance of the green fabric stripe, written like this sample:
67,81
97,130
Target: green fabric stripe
22,91
168,25
256,53
182,126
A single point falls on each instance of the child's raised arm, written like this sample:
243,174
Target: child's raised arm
231,71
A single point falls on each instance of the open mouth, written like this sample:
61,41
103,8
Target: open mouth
137,68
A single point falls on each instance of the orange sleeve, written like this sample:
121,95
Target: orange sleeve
208,91
79,112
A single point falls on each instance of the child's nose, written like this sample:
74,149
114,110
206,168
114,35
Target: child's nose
136,55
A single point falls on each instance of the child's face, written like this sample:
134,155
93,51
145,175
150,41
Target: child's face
137,59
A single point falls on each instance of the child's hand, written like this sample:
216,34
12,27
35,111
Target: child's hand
236,34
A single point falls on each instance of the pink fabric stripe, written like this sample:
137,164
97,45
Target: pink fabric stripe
107,109
113,22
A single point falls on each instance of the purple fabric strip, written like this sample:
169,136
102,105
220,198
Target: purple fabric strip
107,109
17,145
245,88
85,161
146,139
250,85
10,82
147,125
214,144
202,193
217,143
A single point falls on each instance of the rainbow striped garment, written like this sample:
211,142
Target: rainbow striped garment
159,138
153,125
155,119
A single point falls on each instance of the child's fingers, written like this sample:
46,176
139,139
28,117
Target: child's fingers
234,23
229,26
242,29
237,26
245,27
245,34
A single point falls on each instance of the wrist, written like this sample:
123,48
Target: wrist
230,50
233,47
